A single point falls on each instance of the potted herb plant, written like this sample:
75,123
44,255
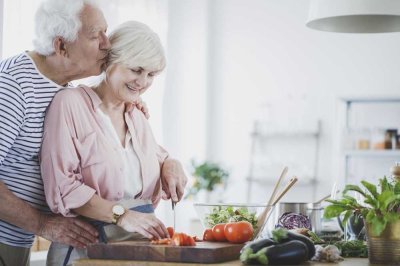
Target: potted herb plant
380,209
207,176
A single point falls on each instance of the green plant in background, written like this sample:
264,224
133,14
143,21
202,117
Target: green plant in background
380,206
207,175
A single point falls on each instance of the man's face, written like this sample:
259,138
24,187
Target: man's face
88,53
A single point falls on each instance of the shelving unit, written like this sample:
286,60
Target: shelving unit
262,138
350,119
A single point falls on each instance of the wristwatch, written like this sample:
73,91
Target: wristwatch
117,210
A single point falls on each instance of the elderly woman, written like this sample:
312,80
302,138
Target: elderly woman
99,158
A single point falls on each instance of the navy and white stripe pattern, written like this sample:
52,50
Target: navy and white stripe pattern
24,96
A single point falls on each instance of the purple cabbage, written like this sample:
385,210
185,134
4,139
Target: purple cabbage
292,220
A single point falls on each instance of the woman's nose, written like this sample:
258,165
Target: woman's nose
141,80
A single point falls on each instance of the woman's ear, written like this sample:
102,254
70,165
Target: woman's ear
59,46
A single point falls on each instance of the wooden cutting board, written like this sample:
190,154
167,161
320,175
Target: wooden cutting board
203,252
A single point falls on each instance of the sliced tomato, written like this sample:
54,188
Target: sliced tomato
190,241
196,239
208,235
238,232
170,231
181,239
218,232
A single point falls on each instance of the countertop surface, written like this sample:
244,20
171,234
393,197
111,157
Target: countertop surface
89,262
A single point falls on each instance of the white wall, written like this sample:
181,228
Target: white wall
262,53
1,27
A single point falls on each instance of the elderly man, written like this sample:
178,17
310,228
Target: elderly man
71,44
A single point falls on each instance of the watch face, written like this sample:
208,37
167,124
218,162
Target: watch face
118,209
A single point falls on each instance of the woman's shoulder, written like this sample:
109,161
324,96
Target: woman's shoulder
69,97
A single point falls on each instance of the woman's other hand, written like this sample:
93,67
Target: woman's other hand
145,224
142,106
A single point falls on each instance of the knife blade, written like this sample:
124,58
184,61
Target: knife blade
173,210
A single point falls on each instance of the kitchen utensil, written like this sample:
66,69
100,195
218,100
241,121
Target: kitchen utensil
291,182
203,252
263,217
173,210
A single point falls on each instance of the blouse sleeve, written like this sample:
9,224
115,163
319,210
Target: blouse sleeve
162,155
59,159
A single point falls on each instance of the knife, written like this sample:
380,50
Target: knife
173,210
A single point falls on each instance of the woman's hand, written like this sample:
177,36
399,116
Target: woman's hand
142,106
173,180
145,224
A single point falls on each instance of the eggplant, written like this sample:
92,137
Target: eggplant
258,244
288,253
310,245
254,247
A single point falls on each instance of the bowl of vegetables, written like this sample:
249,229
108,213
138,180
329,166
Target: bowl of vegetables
236,223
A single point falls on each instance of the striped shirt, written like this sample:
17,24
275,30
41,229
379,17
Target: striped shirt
24,96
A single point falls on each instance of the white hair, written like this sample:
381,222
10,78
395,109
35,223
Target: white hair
134,44
57,18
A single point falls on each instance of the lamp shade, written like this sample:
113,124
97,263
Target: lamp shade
355,16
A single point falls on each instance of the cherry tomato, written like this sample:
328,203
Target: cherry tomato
208,235
170,231
238,232
218,232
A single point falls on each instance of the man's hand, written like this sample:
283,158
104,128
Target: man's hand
69,231
142,106
173,180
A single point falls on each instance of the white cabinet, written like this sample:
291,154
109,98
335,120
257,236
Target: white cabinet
369,146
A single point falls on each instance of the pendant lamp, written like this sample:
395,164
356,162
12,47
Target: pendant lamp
354,16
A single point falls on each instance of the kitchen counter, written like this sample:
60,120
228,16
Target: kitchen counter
88,262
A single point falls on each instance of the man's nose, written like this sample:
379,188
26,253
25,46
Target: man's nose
105,42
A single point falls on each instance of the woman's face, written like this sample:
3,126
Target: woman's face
127,84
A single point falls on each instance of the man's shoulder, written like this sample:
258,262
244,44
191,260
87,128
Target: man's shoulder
17,63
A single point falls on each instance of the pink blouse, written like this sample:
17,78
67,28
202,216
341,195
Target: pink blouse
77,160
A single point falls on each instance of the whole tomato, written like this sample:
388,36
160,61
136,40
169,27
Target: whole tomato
208,235
238,232
218,232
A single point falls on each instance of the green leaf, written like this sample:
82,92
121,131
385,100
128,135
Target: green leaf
332,211
378,225
392,217
353,188
347,215
385,185
390,199
397,188
371,188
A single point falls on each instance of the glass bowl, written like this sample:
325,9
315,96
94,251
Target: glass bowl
213,213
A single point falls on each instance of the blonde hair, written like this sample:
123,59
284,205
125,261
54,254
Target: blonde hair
134,44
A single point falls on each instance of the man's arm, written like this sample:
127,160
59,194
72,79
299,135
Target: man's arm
173,179
70,231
